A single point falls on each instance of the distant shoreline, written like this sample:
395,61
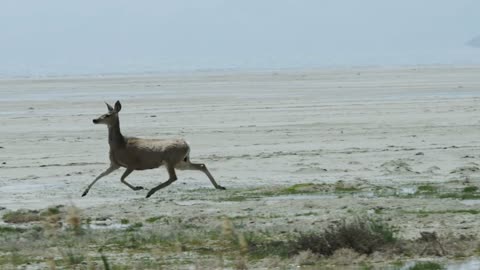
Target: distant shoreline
227,71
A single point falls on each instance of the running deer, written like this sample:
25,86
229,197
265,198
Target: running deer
143,154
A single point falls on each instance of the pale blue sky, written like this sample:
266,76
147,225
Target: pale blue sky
110,36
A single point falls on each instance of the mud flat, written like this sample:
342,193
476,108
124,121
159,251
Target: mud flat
297,150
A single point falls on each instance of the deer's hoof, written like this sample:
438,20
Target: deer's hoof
149,194
221,188
138,188
84,193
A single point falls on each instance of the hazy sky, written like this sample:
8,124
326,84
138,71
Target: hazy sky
108,36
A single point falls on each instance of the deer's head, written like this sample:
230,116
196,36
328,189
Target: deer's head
111,117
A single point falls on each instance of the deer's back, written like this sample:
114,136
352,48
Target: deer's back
142,154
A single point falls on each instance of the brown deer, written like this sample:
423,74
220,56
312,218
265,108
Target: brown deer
143,154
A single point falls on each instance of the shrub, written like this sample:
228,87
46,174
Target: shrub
362,235
22,216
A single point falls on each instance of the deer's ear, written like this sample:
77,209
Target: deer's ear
118,106
110,108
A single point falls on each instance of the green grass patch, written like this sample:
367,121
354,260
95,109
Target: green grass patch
300,188
470,189
365,266
441,212
124,221
260,250
261,245
50,211
106,264
14,259
427,266
346,189
460,196
153,219
236,198
303,188
426,190
8,229
72,257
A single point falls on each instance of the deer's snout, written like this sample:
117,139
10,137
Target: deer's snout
95,121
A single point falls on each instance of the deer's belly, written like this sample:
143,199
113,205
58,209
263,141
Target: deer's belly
138,163
142,164
146,166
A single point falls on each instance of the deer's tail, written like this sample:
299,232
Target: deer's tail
187,155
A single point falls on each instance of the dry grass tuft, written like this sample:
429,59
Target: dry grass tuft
22,216
74,220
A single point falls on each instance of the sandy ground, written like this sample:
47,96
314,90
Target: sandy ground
370,128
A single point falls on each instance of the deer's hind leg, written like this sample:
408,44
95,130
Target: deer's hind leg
172,178
187,165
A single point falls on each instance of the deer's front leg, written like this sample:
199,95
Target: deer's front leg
112,168
125,174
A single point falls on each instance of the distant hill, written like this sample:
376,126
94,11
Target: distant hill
475,42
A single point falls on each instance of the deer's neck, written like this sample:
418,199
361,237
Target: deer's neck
115,137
